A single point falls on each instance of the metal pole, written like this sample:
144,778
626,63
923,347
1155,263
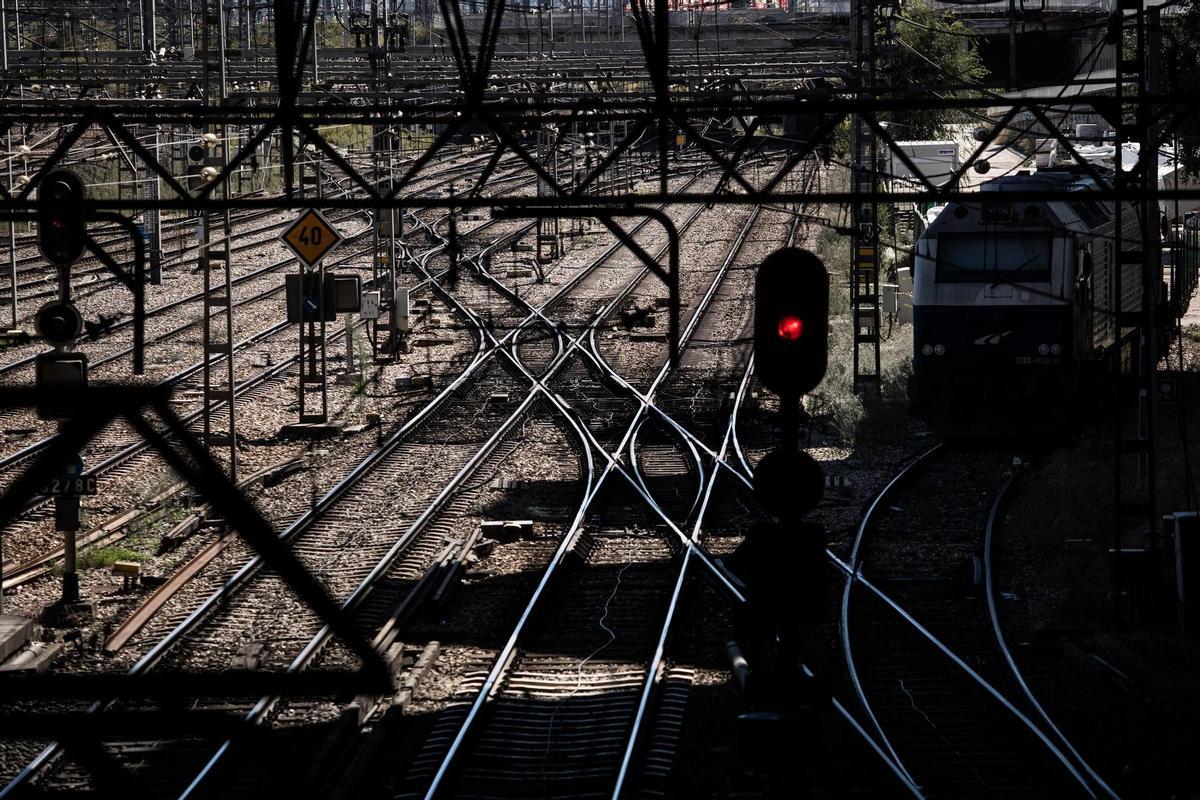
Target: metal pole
12,237
316,76
4,41
149,38
70,592
1012,43
152,221
233,465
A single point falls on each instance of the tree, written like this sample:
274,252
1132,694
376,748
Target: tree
933,49
1183,78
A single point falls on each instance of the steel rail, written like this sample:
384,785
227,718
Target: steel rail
844,626
853,573
693,440
298,526
688,436
35,447
707,488
263,706
1010,661
540,313
481,355
745,476
576,345
696,458
334,494
651,680
644,399
704,490
151,605
155,654
568,285
892,765
148,660
689,439
310,650
504,658
248,569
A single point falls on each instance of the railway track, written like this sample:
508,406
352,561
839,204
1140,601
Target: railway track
205,774
125,450
1016,674
674,681
12,460
937,693
155,654
562,706
264,704
175,763
577,342
238,280
128,455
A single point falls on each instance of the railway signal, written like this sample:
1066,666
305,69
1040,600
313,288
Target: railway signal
60,324
782,560
788,483
791,318
61,376
196,156
61,229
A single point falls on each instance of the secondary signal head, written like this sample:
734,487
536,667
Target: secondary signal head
59,323
791,321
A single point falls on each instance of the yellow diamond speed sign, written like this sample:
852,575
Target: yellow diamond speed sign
311,237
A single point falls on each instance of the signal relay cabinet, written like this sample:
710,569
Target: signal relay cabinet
310,300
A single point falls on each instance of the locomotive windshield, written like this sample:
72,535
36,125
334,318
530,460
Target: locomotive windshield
993,258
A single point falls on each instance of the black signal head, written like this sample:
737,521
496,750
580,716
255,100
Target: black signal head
61,227
59,323
791,321
788,483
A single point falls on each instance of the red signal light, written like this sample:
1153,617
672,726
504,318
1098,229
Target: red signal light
791,328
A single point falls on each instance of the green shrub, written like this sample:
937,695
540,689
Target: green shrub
100,557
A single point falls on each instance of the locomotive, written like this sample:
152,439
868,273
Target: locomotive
1014,304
